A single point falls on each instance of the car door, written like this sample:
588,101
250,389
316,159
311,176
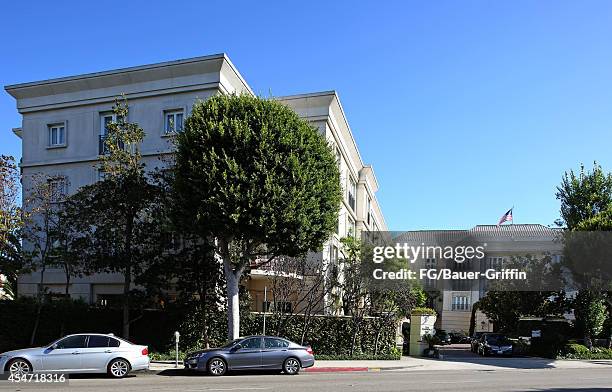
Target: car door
247,356
97,354
65,354
274,353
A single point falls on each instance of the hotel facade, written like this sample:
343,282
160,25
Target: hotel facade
453,300
64,125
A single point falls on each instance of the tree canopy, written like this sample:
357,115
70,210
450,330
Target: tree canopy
258,179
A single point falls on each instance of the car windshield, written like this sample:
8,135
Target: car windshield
497,340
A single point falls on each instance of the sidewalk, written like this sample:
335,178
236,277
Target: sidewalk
426,364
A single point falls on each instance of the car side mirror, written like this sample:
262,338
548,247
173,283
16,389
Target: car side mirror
236,347
53,346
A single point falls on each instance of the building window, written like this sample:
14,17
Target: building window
173,121
351,230
461,302
352,192
57,135
278,306
495,262
57,189
101,174
333,254
105,120
338,157
430,264
109,300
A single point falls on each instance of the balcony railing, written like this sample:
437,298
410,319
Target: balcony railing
281,264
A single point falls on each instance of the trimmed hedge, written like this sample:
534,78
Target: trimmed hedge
392,356
421,311
327,335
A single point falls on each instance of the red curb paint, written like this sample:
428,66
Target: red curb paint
335,369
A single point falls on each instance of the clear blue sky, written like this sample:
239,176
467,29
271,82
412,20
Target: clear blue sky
464,108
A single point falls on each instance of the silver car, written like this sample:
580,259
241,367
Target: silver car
252,353
79,353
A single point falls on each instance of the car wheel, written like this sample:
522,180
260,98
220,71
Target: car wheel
19,366
217,367
118,368
291,366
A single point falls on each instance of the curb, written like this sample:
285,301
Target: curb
339,369
336,369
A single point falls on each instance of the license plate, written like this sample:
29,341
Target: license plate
500,352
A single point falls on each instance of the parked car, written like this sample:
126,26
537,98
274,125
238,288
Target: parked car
443,337
458,337
474,341
79,353
252,353
494,344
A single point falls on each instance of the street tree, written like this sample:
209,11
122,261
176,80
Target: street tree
586,206
44,201
539,295
116,215
12,261
256,179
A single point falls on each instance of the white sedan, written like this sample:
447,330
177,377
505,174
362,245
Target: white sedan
79,353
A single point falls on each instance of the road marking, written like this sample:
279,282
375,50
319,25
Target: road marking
240,389
230,389
453,382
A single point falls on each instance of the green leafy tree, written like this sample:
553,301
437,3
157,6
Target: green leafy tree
507,301
256,179
586,205
12,261
361,297
116,217
584,195
590,312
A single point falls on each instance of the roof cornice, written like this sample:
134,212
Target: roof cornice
204,72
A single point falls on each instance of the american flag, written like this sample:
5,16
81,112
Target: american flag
507,217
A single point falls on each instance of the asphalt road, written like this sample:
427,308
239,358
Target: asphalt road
473,380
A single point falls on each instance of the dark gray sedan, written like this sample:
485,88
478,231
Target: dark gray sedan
252,353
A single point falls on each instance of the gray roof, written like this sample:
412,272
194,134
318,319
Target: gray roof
481,232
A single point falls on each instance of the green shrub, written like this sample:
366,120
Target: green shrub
359,357
421,311
579,351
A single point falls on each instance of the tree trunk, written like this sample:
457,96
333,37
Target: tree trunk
126,302
39,298
354,338
203,309
233,301
588,341
67,292
377,340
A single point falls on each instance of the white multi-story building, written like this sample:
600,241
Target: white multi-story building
63,130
